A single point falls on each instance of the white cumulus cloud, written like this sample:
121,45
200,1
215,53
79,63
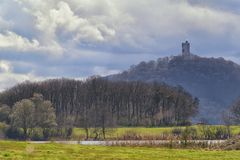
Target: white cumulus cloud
58,18
8,78
14,42
5,67
11,40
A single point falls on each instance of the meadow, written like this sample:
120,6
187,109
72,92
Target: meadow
147,133
24,150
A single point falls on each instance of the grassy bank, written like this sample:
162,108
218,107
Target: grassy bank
23,150
147,133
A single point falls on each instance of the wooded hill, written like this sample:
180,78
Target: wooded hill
98,102
214,81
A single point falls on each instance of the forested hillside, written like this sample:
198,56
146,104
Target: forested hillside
97,102
215,81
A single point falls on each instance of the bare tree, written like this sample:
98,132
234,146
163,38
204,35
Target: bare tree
234,113
98,100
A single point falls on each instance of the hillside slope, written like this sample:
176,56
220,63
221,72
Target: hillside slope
215,81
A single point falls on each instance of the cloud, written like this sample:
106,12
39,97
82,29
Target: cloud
5,24
136,26
158,25
11,40
8,77
5,67
59,18
79,38
221,5
123,26
103,71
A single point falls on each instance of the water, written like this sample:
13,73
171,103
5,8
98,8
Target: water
129,142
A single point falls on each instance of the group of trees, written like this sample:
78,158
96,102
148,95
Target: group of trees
232,115
99,103
29,115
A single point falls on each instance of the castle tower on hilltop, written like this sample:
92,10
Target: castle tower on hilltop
186,49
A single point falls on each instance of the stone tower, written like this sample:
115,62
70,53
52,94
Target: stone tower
186,49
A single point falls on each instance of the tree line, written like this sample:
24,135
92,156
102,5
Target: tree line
101,104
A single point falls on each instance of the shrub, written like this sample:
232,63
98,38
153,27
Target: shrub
207,132
37,135
193,133
189,133
129,135
176,132
48,132
2,130
14,133
69,132
2,135
222,133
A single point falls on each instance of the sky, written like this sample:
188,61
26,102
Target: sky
42,39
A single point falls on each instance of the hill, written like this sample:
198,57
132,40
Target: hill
215,81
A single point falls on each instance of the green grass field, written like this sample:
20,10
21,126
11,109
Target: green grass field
141,132
119,133
23,150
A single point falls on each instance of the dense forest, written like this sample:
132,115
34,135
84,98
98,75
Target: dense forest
97,102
